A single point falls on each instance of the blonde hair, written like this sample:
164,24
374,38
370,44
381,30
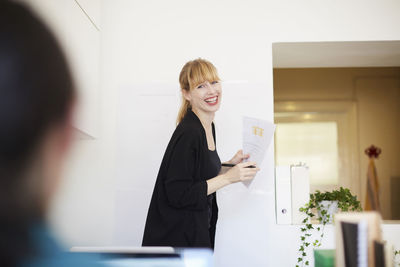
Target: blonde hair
192,74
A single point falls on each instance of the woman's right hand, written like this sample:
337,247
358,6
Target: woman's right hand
240,173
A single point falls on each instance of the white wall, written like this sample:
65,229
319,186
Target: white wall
149,41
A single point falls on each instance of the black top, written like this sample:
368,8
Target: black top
213,168
180,213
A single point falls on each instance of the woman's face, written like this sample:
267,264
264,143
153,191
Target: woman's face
205,97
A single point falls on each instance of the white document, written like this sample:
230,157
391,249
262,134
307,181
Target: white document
257,135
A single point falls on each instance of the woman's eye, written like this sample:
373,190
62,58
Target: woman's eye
214,82
200,86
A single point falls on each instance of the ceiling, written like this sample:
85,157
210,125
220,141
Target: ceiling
336,54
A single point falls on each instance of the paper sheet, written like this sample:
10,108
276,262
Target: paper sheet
257,135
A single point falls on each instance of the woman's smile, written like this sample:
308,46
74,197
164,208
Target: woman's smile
212,100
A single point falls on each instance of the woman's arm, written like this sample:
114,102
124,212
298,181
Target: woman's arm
237,158
235,174
216,183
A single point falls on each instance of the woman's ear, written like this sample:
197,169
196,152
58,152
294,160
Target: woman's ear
186,94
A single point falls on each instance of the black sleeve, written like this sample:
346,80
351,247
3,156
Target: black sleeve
182,190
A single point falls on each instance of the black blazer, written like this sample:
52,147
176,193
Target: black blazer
178,212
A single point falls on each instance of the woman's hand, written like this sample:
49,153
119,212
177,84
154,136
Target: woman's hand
241,172
238,157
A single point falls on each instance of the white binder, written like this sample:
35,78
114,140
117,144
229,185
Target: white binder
292,191
283,198
300,184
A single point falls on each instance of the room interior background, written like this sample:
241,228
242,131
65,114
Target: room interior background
123,45
373,95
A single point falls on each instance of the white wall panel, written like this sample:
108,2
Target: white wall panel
92,8
81,42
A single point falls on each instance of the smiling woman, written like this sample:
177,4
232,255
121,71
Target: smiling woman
183,211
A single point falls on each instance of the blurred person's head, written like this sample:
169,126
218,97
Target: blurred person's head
201,90
36,101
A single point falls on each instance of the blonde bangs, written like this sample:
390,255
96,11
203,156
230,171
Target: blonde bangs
201,71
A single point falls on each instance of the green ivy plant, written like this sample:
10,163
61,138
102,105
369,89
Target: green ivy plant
346,202
396,254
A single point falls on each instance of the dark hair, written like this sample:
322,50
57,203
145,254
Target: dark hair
36,92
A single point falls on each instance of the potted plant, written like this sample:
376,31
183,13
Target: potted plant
396,257
325,204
